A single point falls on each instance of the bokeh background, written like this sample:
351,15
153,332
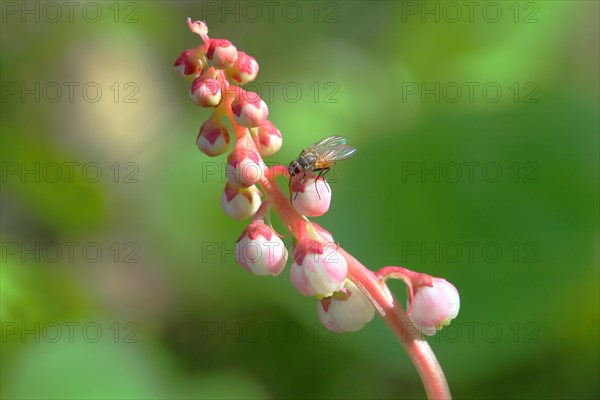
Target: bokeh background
118,278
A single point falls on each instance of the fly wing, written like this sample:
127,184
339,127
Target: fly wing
329,141
331,149
334,154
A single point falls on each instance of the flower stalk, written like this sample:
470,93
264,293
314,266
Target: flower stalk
347,292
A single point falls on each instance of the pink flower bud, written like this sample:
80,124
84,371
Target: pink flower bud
205,92
269,139
240,203
308,198
222,53
244,70
434,306
318,269
346,311
260,250
249,109
189,64
243,167
213,138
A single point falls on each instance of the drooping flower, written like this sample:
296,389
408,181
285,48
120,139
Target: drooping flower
347,310
434,306
318,269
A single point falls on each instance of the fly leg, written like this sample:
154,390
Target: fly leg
300,185
325,172
322,173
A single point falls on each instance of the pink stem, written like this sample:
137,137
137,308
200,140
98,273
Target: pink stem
395,317
384,302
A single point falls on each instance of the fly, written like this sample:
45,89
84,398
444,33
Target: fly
320,157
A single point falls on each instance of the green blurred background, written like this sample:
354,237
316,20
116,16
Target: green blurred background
124,285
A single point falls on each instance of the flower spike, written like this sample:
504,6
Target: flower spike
347,293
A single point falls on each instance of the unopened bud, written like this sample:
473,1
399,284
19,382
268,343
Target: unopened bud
249,109
221,53
213,138
434,306
260,250
244,167
205,92
317,269
240,203
347,310
244,70
269,139
190,63
310,198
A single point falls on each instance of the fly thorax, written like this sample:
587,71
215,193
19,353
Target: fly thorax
307,160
